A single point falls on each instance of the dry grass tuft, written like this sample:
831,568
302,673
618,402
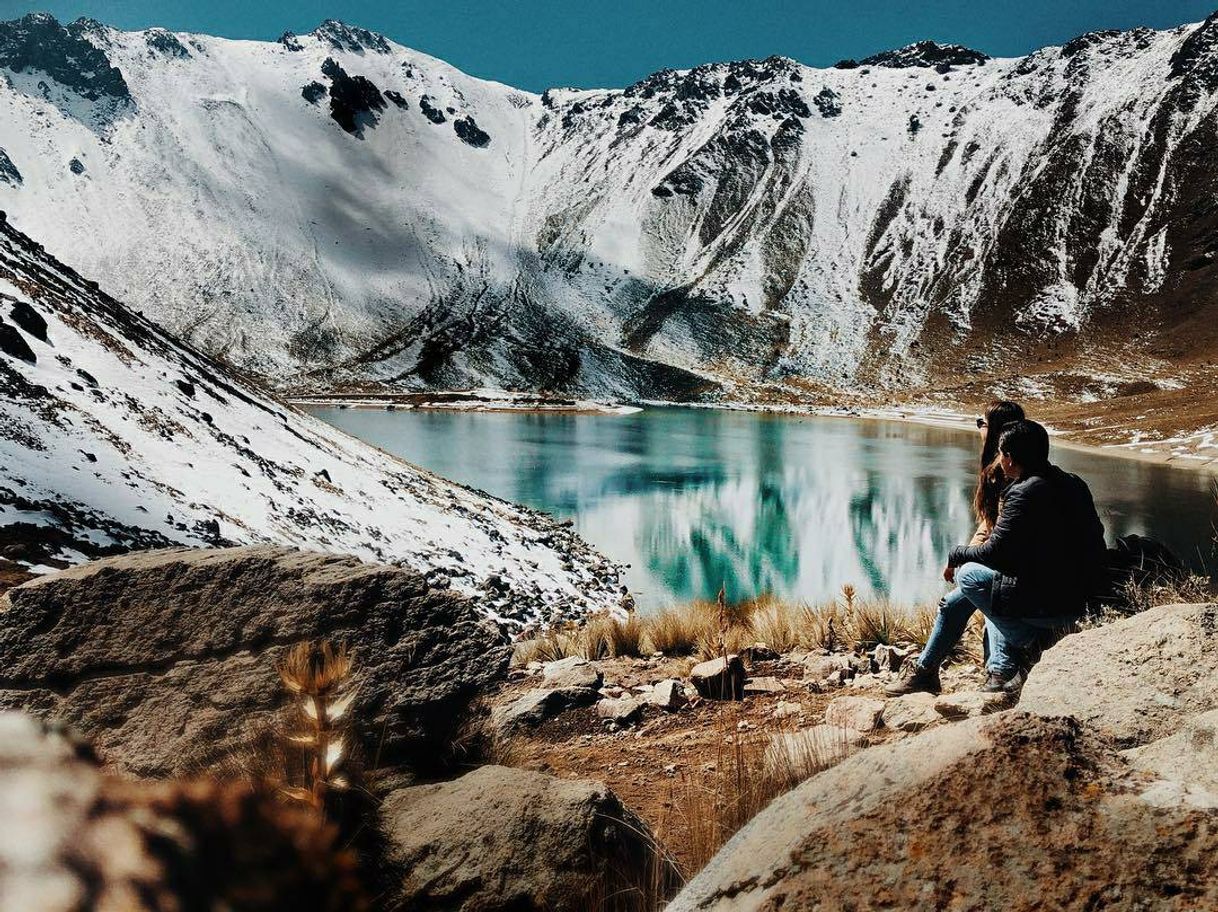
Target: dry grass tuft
707,809
318,678
605,637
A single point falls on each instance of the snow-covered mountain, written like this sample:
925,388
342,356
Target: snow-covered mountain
115,436
335,208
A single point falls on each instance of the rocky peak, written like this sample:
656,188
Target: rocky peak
38,42
926,54
1196,58
351,38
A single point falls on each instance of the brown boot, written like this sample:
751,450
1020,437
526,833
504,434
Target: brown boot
914,679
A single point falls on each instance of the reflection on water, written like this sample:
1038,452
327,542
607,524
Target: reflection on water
692,498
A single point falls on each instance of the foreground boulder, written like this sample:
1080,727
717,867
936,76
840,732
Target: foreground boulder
166,661
1135,679
506,839
73,838
719,679
1055,812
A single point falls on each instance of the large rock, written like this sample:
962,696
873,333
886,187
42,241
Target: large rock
1190,756
74,839
1058,817
166,660
859,713
507,839
535,706
1135,678
910,713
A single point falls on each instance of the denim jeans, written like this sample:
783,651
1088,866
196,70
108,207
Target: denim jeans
1008,636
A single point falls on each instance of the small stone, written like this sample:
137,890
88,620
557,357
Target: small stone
540,704
910,713
754,687
820,667
969,703
668,695
888,658
785,709
861,714
758,652
574,671
622,711
719,679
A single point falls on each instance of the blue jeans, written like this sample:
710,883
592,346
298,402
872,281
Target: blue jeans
1008,636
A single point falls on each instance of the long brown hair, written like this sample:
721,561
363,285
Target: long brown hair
1000,415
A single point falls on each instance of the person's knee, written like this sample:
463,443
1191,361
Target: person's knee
974,577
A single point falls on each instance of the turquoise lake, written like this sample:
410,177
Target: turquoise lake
797,506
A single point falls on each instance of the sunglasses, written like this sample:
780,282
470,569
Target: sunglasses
981,422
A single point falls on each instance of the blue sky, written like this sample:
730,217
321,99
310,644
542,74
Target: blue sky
535,44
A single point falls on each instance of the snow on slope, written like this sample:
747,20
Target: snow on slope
114,436
336,208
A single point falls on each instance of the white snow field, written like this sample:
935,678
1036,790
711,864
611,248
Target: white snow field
385,217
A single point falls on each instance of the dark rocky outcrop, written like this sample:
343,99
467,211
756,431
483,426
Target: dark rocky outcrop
397,98
8,171
355,103
74,838
166,660
76,166
430,111
14,345
926,54
313,92
471,134
1055,811
38,42
350,38
499,839
29,319
166,43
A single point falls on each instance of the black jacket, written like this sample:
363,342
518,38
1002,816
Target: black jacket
1047,546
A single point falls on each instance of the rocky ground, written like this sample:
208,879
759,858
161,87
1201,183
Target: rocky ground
592,791
642,727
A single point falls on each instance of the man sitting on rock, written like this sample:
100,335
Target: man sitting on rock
1031,578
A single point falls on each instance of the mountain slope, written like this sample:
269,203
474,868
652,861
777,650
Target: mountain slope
335,209
115,436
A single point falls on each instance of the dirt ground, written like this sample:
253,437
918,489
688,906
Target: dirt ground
653,764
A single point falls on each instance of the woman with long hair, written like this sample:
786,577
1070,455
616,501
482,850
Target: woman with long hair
1000,415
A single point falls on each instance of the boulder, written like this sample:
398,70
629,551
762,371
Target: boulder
573,671
1056,814
968,703
1135,678
623,711
535,706
861,714
74,838
910,713
166,660
1189,756
669,694
719,679
500,839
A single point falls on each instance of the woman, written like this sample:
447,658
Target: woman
1001,414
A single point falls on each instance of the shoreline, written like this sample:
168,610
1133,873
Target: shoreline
487,401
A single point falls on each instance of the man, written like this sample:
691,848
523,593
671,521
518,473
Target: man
1031,578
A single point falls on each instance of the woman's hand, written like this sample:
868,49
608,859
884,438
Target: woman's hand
949,573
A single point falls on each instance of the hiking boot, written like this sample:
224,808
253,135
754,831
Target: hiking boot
914,679
1010,685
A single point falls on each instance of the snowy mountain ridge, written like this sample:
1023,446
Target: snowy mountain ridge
115,436
335,209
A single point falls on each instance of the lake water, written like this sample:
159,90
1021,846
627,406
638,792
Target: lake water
797,506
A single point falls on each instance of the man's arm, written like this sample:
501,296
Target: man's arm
1000,550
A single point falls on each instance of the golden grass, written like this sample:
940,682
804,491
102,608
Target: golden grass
708,806
701,629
